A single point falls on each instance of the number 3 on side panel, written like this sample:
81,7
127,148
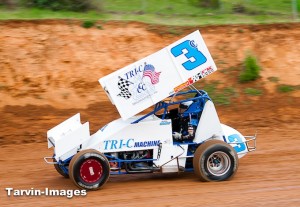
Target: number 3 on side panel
194,56
236,138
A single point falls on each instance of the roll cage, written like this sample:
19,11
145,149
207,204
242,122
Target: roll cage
199,97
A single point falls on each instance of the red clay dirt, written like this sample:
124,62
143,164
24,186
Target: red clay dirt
49,72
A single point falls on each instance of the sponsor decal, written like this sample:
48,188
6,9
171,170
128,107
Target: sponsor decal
165,123
207,71
128,143
138,83
194,78
181,86
146,144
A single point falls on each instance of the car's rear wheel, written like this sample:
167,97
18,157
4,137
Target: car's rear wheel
89,169
215,160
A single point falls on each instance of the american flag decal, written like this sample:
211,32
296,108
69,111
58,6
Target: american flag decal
149,71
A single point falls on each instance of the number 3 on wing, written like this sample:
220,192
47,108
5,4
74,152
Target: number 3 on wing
189,50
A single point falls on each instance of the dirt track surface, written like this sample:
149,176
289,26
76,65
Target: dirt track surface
49,72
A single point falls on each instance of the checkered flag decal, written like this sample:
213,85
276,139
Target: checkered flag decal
123,86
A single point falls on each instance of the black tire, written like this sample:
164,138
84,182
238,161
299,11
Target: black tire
60,170
215,160
89,169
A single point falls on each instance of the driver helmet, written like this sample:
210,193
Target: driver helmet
184,106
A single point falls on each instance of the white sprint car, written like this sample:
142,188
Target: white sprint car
182,133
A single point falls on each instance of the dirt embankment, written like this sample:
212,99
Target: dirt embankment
49,71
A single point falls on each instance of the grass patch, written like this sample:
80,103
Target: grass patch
220,96
59,5
35,13
175,32
211,88
251,69
167,12
99,27
286,88
252,91
88,23
221,99
230,91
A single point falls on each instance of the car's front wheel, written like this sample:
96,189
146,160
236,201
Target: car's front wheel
215,160
60,170
89,169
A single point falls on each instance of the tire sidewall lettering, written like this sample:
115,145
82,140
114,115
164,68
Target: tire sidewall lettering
88,187
94,155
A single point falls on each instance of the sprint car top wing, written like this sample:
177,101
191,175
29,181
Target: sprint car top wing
142,84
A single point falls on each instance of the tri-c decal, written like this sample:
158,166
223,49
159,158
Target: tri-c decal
138,83
128,143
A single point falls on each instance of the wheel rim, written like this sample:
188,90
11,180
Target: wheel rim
91,171
218,163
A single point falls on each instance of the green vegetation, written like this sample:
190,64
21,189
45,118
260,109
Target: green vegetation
211,87
250,71
56,5
252,91
99,27
207,3
174,32
220,96
170,12
35,13
88,23
230,91
286,88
